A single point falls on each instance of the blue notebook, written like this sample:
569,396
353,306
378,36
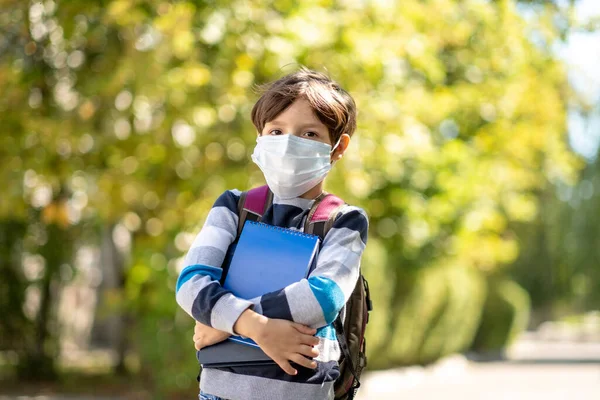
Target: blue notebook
267,258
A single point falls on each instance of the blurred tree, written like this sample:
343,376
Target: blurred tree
14,321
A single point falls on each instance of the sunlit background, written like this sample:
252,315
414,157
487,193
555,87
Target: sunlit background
121,121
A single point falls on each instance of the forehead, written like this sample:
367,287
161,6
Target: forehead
299,111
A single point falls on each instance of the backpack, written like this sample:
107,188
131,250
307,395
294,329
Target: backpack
350,333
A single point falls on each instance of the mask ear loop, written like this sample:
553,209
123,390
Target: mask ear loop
333,149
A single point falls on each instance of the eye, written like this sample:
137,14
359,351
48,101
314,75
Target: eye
311,134
275,132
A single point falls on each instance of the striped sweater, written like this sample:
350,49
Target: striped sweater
315,301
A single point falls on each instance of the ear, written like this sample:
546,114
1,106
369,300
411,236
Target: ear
341,147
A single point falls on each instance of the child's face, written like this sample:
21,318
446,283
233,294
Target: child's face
300,120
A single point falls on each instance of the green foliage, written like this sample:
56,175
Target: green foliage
506,314
160,334
438,317
453,331
166,363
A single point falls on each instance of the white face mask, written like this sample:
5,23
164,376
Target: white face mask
292,165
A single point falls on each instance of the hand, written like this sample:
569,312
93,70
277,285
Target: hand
282,340
206,336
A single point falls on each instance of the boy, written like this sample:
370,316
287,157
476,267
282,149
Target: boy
304,122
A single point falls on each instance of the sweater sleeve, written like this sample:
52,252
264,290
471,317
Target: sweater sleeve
198,290
317,300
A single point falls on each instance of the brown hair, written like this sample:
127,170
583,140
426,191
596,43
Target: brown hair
334,107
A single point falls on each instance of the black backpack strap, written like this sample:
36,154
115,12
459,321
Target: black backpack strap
318,222
341,338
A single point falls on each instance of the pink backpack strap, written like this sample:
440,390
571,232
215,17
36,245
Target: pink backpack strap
253,204
256,200
322,216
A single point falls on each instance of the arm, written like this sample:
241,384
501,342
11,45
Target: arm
198,290
282,340
316,301
200,294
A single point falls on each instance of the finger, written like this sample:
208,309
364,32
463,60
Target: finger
308,340
304,329
308,351
198,345
305,362
286,367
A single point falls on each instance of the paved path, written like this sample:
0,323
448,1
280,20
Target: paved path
534,370
492,381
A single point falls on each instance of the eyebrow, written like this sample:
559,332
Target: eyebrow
311,125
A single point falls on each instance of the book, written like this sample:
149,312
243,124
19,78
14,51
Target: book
267,258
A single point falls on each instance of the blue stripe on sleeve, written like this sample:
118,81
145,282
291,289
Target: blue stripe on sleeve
329,295
198,269
326,332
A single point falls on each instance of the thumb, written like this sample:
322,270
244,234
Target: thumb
305,329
